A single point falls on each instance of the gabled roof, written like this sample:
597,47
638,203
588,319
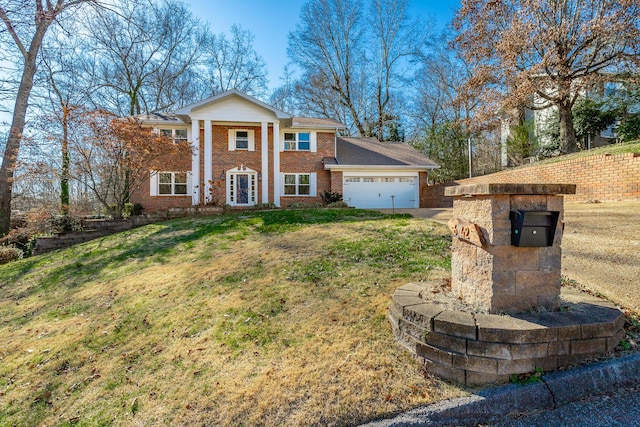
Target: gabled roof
371,152
182,115
186,110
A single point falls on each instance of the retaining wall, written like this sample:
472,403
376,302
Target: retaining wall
477,349
93,229
602,177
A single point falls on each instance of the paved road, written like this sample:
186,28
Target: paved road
619,409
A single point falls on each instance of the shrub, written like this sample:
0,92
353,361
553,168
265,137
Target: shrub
629,127
37,222
9,254
64,224
340,204
132,209
304,205
329,197
265,206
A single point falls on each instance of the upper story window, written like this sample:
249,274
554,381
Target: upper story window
241,139
177,135
297,141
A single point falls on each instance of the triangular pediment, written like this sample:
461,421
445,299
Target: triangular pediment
231,106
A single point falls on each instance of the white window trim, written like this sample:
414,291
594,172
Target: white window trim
313,184
251,145
313,141
154,184
173,136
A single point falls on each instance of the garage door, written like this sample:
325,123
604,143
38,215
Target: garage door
381,191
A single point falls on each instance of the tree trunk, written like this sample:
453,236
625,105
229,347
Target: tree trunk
568,142
64,175
11,150
13,142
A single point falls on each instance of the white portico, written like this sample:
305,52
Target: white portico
240,115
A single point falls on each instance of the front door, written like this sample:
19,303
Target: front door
242,189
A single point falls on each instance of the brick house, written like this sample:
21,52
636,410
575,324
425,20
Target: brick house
246,152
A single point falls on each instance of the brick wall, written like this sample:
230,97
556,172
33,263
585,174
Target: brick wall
150,203
224,160
603,177
305,162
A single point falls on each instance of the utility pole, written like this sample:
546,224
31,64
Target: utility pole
470,160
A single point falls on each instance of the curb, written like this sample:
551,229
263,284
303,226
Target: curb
556,389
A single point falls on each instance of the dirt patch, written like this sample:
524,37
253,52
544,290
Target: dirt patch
601,249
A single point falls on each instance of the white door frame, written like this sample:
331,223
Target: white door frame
232,186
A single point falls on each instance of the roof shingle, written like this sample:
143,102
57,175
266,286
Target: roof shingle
371,152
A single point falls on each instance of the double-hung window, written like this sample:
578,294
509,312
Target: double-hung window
242,140
172,183
297,141
177,135
298,184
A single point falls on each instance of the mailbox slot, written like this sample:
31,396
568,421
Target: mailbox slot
533,228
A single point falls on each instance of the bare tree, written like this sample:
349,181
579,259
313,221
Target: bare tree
283,97
396,40
59,98
550,48
234,64
328,44
26,24
359,58
141,55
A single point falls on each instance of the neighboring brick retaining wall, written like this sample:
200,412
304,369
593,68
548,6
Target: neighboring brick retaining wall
94,229
475,348
602,177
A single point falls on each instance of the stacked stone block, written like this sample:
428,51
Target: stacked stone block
498,277
476,349
501,315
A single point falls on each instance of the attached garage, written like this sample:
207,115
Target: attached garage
372,174
384,191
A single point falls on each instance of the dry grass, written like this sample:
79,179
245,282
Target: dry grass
613,149
275,318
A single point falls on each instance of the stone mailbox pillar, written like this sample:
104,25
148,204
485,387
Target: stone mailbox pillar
500,317
488,272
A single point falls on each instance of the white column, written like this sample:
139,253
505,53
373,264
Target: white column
265,162
195,162
208,160
276,163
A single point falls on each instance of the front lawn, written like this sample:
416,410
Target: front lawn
258,318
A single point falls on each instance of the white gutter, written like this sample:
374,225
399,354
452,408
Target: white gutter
407,168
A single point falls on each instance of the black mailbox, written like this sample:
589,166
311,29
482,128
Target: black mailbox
533,228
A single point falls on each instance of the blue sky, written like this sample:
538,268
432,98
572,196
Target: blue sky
271,21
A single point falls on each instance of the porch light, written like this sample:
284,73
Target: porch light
259,176
222,175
